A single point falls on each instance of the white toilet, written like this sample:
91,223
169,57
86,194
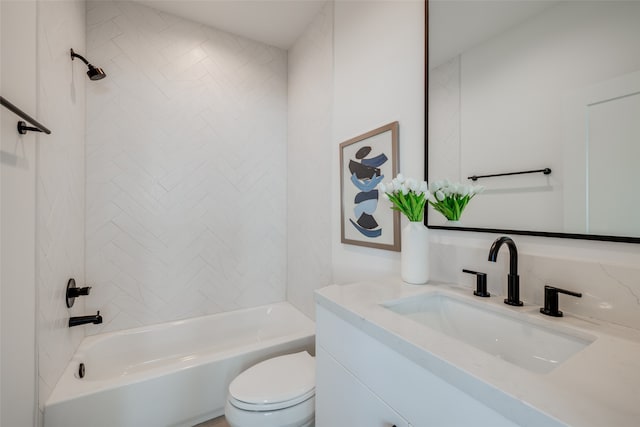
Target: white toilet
278,392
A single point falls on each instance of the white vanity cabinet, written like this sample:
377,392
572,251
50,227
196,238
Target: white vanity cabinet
361,382
342,400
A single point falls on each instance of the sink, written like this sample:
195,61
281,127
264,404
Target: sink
505,335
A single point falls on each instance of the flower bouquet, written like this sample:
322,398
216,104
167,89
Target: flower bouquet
450,199
407,196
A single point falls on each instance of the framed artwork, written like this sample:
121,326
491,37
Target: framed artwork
365,161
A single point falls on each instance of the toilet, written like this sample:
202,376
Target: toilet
278,392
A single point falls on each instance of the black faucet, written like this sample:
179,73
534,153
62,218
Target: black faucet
81,320
513,280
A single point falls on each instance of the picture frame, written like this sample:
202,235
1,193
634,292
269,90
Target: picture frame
366,217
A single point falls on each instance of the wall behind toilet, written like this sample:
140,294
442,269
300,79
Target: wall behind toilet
186,168
309,151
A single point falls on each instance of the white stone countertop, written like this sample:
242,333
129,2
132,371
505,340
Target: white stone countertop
599,386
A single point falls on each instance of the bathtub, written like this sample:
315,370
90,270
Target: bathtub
171,374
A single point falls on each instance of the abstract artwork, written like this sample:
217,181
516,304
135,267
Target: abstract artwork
365,161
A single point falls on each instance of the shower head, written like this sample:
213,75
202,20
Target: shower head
94,73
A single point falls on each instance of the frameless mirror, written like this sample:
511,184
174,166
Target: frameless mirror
534,85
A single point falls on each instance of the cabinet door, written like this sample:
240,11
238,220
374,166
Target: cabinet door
342,400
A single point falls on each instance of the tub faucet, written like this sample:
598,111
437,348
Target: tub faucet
81,320
513,280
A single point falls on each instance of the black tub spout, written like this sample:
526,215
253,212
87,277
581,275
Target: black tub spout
82,320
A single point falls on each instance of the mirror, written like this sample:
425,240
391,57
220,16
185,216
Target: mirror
534,85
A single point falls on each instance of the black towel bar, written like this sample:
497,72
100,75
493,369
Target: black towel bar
22,126
545,171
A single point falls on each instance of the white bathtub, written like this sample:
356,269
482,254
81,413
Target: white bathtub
172,374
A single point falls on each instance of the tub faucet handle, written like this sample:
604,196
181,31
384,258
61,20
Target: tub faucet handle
74,292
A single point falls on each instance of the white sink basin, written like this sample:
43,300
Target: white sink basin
502,334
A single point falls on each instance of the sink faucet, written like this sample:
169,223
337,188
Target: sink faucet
513,281
81,320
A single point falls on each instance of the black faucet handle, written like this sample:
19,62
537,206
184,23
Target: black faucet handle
74,292
551,300
481,283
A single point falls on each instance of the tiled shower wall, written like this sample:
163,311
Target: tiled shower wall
60,185
186,168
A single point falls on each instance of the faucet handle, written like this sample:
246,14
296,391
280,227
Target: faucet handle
74,292
551,300
481,283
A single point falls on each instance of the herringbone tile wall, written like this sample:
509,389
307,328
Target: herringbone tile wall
60,189
186,168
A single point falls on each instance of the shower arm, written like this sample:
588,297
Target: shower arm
75,55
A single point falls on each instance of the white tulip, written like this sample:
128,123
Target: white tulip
396,185
400,178
404,189
424,187
435,186
382,188
440,195
412,184
465,190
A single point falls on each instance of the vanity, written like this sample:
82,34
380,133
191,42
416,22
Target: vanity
408,355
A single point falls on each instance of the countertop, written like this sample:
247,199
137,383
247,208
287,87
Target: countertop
598,386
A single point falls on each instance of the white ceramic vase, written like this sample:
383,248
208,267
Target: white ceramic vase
414,263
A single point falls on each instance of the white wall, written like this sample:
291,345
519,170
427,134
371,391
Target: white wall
17,231
186,168
309,151
378,78
60,185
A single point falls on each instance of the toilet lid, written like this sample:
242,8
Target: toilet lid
276,383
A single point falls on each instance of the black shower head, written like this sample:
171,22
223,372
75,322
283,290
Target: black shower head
94,73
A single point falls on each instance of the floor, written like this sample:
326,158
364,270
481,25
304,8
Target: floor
216,422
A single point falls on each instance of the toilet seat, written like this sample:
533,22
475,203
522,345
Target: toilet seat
270,406
274,384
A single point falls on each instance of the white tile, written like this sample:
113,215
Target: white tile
60,185
182,170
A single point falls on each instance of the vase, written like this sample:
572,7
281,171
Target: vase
414,259
453,223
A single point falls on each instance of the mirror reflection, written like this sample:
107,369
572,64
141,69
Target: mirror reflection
528,85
